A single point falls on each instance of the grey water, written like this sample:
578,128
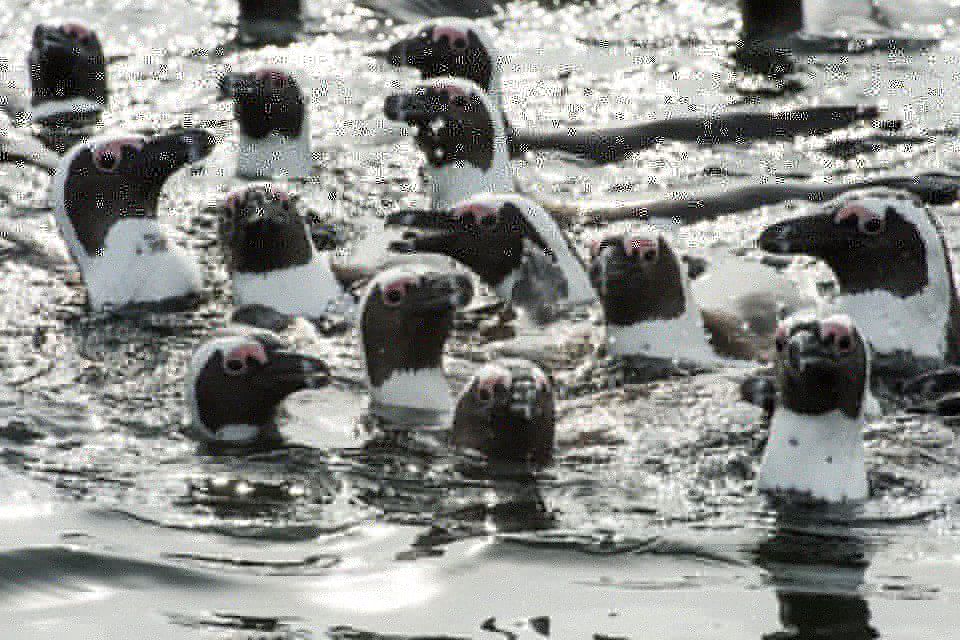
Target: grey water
113,524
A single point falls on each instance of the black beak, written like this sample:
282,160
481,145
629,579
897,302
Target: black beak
443,293
411,52
289,372
428,220
418,218
412,108
232,85
164,154
807,235
807,356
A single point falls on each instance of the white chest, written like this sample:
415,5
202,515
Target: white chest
821,456
680,338
425,389
917,325
309,290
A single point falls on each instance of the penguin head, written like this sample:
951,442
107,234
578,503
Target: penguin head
453,47
261,230
67,61
507,413
236,383
876,240
266,101
279,10
108,178
822,365
638,276
406,317
485,233
456,123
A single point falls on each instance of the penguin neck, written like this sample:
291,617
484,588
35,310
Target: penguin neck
820,457
425,389
682,337
456,181
310,290
137,264
275,155
918,325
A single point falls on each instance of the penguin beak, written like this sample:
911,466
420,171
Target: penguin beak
807,356
233,85
287,371
412,108
425,219
443,293
162,155
808,235
413,52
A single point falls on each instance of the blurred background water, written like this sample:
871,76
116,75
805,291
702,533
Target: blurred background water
114,525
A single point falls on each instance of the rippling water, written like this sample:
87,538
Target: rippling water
113,525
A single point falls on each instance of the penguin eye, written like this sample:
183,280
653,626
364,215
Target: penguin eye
644,248
489,388
455,39
780,338
78,32
872,226
241,359
867,221
837,335
108,156
394,293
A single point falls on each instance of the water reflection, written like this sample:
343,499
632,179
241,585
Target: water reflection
818,574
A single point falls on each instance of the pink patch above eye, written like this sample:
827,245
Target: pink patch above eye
279,194
638,245
452,91
855,211
396,290
457,38
481,214
834,330
249,351
75,30
487,385
108,155
276,78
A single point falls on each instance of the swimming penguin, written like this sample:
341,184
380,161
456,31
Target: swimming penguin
893,272
68,75
460,131
271,257
650,309
273,127
452,47
236,382
507,413
815,448
406,317
104,195
511,243
263,22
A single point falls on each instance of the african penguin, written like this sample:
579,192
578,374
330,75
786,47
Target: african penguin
271,257
506,412
893,272
648,305
460,130
511,243
68,75
406,317
272,122
236,383
815,448
460,48
104,195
